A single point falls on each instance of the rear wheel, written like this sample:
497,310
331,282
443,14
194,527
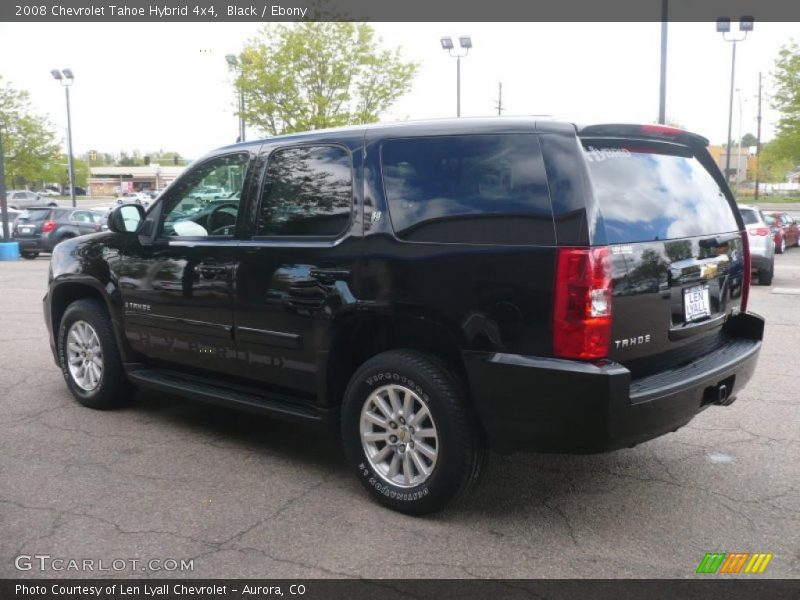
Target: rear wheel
409,433
89,358
29,255
765,277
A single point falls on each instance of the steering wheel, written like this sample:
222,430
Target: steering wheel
222,228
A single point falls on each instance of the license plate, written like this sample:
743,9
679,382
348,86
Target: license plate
695,303
26,229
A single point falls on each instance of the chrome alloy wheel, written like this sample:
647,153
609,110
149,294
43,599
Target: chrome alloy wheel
84,356
399,436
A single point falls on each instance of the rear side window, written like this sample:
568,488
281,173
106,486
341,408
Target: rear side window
308,191
655,192
480,189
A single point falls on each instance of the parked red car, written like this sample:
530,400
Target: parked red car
790,231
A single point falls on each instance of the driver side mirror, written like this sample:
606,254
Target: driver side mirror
126,218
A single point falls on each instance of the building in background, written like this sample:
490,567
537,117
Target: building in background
742,162
111,181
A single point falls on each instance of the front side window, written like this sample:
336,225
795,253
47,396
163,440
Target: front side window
206,201
482,189
308,191
82,217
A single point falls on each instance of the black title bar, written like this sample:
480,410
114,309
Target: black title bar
147,11
395,589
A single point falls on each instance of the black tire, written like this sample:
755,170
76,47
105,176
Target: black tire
779,248
765,277
461,449
113,390
53,205
29,255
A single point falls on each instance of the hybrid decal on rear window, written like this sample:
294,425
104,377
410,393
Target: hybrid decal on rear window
599,155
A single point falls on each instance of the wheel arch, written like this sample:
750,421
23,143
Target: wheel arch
360,337
62,294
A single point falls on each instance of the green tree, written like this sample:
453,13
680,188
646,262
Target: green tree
57,171
786,99
312,75
773,162
748,139
29,143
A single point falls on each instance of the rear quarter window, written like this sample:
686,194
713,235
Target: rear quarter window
476,189
654,192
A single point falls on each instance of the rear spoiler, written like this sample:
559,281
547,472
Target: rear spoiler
662,133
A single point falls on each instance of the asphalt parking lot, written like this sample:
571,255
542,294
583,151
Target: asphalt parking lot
250,497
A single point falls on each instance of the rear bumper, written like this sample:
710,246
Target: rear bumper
34,244
553,405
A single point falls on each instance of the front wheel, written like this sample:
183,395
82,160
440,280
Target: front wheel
408,432
89,358
29,255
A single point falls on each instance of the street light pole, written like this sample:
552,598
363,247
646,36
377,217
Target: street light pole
3,199
464,43
662,97
724,27
730,113
65,77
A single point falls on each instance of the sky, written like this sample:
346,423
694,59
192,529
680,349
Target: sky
166,85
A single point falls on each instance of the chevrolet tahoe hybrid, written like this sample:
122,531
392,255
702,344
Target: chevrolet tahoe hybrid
428,290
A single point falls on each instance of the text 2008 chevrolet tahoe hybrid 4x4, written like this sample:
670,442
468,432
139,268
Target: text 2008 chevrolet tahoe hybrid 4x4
430,289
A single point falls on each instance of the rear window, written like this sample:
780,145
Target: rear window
35,215
655,192
749,216
478,189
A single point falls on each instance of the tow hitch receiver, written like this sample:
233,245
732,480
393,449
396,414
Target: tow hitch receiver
720,394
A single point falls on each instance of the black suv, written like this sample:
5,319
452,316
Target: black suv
41,229
429,289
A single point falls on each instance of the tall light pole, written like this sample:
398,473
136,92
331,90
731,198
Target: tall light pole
3,199
724,27
464,44
662,95
233,63
66,78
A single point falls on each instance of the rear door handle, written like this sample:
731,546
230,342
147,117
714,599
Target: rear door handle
210,271
330,275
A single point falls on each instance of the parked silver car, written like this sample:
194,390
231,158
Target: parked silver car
21,199
762,245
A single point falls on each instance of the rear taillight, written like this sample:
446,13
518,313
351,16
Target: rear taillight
747,275
582,303
759,231
48,226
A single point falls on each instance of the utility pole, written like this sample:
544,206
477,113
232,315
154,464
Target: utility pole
758,138
499,98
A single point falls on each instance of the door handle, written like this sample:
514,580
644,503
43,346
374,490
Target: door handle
329,275
210,271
